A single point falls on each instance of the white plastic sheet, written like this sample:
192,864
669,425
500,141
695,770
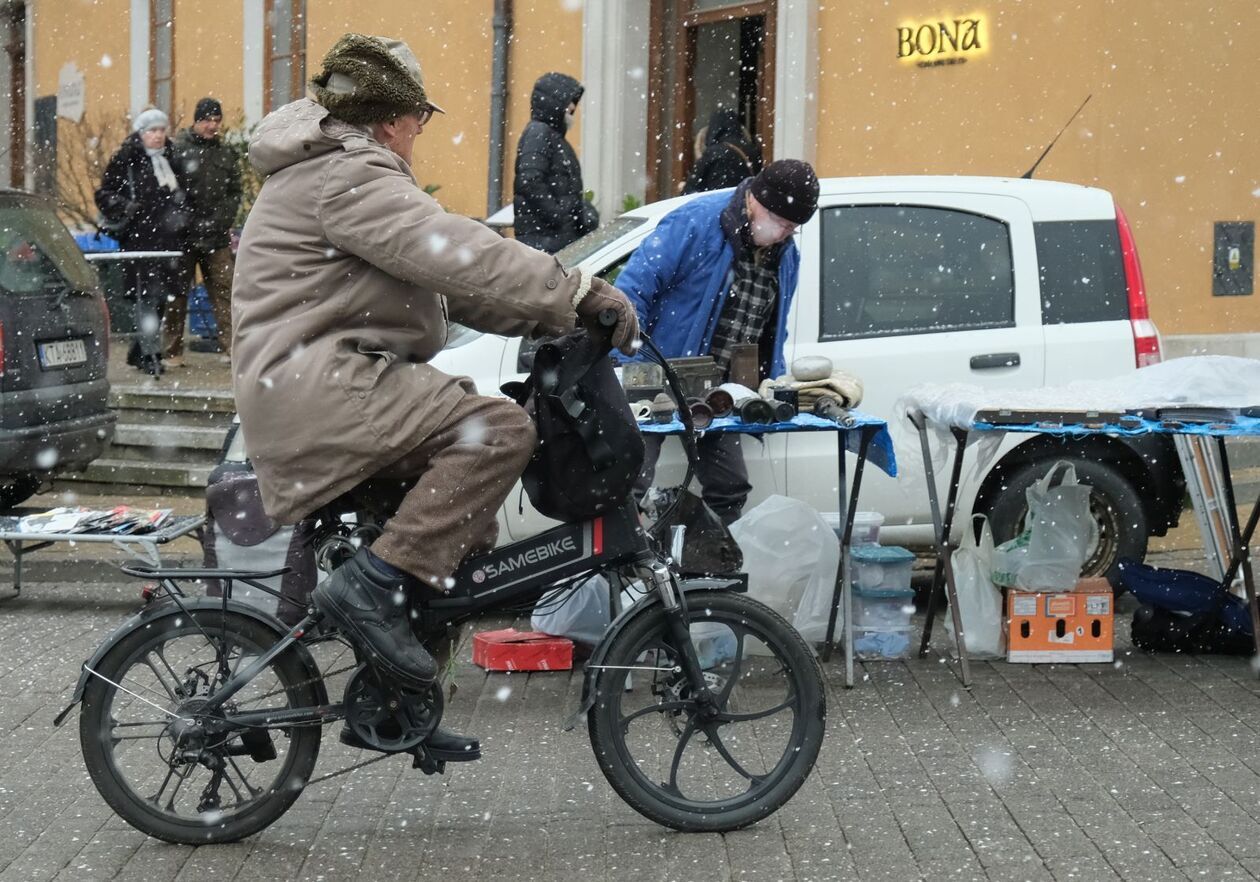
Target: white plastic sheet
1200,380
791,556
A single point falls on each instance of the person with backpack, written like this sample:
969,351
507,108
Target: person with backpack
348,275
730,155
718,272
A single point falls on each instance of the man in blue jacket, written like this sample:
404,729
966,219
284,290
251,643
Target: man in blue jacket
718,272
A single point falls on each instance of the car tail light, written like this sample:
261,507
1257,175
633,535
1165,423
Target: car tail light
1145,337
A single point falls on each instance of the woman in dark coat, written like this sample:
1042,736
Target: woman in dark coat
730,155
550,210
142,195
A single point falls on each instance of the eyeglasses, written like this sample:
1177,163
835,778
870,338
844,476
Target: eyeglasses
423,116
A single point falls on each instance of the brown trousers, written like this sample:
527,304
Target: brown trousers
216,270
451,487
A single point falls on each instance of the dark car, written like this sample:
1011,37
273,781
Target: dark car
54,350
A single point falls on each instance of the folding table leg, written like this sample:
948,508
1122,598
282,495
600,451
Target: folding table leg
943,575
1240,554
844,586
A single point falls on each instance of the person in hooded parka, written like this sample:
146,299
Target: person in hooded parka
730,155
549,207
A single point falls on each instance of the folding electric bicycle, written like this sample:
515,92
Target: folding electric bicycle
202,716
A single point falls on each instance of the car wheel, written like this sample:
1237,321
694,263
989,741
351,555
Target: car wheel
16,489
1113,501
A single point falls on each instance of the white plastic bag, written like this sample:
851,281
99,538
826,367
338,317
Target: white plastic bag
979,601
1060,533
791,556
583,617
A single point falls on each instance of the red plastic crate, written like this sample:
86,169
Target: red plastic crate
512,650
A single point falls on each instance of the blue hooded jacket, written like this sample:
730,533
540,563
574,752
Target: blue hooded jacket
678,280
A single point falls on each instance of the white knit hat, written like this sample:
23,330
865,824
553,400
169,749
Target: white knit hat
152,119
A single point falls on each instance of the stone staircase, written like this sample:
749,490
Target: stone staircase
165,440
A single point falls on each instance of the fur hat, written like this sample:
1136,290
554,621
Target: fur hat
369,79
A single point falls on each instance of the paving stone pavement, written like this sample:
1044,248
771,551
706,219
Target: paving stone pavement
1148,769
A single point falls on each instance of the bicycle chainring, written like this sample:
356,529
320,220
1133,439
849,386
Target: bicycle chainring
386,718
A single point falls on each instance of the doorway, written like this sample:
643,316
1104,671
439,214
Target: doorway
715,55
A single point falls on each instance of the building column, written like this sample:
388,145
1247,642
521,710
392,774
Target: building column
796,62
140,19
614,106
253,58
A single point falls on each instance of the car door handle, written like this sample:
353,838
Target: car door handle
994,360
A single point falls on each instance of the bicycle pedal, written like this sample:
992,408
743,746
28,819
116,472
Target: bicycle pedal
420,759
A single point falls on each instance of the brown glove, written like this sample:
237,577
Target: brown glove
602,296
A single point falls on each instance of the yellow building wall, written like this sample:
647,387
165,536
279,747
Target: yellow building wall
453,42
208,57
1170,129
546,36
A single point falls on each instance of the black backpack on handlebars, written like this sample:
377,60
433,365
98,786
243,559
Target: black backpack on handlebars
589,449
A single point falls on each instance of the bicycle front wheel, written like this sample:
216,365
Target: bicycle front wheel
695,772
148,760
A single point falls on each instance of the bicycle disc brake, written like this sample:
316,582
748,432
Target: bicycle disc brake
387,719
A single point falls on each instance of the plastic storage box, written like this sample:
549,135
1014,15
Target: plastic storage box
881,567
866,526
883,601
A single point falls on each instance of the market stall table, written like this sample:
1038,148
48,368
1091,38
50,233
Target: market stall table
862,434
22,543
1182,419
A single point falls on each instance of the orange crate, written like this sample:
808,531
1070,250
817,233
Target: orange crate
1070,626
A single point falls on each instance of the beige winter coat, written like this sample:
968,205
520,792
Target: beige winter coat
346,276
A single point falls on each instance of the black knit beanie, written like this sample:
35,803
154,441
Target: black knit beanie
206,108
789,188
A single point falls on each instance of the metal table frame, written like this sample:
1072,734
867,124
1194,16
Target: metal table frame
847,501
22,544
943,575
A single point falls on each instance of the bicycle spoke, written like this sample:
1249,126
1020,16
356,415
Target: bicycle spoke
170,773
170,690
253,791
624,722
734,677
757,715
170,803
687,732
716,741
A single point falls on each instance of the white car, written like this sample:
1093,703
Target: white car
993,281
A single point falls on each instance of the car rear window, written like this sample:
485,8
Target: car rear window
576,252
890,270
37,253
1082,272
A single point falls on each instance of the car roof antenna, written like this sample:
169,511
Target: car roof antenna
1028,174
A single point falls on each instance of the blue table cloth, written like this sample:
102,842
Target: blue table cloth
880,451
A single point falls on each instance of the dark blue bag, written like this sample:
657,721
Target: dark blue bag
1183,611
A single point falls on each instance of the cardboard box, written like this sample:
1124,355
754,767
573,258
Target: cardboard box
512,650
1069,626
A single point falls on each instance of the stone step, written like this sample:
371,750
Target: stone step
166,436
193,418
171,400
151,473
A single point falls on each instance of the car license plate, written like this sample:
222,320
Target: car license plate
62,353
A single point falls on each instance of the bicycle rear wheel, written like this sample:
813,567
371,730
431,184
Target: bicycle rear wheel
148,762
683,770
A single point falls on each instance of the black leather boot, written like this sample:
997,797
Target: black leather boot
442,745
370,607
